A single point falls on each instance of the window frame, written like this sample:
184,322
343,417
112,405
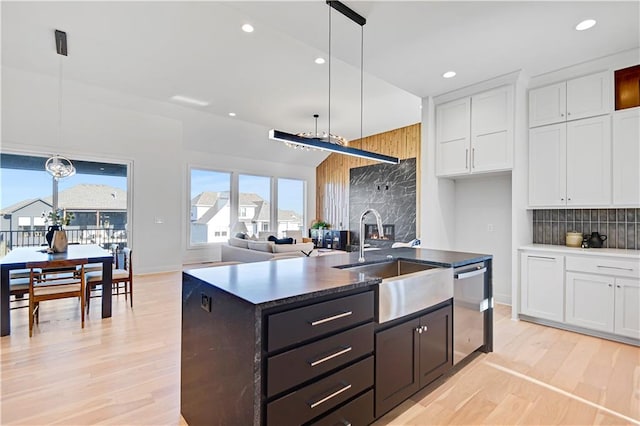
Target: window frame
234,195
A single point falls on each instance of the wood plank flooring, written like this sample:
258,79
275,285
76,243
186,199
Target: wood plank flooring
126,371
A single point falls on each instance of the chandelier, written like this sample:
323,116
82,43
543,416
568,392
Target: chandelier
60,167
328,141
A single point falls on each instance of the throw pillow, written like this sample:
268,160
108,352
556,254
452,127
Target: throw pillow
241,235
280,240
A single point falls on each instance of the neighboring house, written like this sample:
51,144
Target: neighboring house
211,215
95,207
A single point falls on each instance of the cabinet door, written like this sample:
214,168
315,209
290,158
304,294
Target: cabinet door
492,130
542,286
547,105
589,96
626,157
590,301
627,307
547,165
589,162
436,345
397,361
453,121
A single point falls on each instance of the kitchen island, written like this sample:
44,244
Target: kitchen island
295,341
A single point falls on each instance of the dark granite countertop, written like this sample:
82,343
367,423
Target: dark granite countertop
272,283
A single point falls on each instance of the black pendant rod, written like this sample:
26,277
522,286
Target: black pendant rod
347,11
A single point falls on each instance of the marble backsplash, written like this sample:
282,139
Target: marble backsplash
621,226
391,190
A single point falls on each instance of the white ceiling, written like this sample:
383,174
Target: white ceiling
159,49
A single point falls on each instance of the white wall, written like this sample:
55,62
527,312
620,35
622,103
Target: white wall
160,139
483,225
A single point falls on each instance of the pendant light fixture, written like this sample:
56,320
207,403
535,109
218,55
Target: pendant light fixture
60,167
331,143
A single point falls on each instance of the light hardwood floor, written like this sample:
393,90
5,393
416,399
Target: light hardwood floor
126,370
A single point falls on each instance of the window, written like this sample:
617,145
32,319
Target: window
216,207
254,206
210,206
96,195
291,204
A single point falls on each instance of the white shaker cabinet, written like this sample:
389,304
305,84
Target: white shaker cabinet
570,164
582,97
542,286
589,162
589,301
626,157
548,165
491,130
627,307
453,137
475,134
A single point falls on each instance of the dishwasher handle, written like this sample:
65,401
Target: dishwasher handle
473,273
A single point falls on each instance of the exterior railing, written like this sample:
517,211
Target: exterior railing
104,237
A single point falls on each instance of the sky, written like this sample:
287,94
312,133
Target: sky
19,185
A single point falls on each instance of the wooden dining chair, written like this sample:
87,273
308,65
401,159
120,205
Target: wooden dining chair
51,286
119,275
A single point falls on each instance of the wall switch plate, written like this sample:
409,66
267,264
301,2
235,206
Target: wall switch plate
205,302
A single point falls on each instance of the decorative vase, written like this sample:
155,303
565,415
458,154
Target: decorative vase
49,234
59,243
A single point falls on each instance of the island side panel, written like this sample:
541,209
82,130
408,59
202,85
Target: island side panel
488,314
218,359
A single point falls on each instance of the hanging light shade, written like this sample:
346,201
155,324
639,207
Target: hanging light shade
60,167
328,141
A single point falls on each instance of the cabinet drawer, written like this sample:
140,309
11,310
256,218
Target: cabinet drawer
620,268
312,401
358,412
298,325
301,364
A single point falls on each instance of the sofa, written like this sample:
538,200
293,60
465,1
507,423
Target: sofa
246,250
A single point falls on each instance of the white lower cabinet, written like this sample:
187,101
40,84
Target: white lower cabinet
627,307
542,286
590,301
598,293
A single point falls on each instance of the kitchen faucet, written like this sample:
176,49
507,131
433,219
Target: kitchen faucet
380,230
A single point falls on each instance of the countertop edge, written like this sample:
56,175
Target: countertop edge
619,253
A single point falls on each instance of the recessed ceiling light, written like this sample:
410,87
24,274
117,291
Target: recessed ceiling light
232,114
187,100
449,74
247,28
586,24
319,61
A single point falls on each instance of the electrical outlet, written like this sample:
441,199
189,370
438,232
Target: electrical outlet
205,302
490,227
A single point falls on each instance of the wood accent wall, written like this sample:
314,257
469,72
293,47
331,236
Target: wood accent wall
332,175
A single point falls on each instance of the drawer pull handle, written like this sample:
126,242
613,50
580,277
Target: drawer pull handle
542,257
332,318
328,357
328,397
615,267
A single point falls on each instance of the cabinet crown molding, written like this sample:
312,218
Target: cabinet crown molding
493,83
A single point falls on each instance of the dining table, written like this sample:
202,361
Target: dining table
19,257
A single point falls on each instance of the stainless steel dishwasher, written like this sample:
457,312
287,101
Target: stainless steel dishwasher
469,303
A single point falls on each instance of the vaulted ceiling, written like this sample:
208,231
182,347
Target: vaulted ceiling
159,49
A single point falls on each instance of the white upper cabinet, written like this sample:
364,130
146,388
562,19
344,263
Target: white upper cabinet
475,134
589,162
626,158
548,105
453,137
574,99
570,164
491,130
589,96
548,165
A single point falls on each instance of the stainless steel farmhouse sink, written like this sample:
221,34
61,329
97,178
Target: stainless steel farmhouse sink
406,286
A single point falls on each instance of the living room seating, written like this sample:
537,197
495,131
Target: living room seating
244,250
